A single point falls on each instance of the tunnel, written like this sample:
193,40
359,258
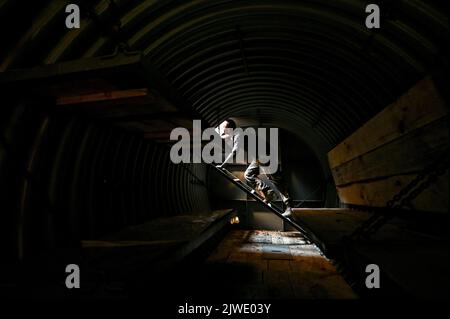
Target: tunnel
86,176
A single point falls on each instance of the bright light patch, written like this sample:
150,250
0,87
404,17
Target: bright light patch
234,220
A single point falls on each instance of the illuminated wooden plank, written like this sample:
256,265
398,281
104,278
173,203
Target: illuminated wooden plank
418,107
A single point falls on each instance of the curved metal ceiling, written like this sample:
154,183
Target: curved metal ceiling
311,67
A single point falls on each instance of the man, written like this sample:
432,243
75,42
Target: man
235,140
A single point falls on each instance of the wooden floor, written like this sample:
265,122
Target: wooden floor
270,264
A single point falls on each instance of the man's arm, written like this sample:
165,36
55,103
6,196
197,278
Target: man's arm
233,151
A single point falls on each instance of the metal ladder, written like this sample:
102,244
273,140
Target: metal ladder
306,232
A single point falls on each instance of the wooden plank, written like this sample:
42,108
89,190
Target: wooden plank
126,243
278,265
253,250
258,264
105,96
237,257
379,159
331,225
312,264
122,62
300,251
278,284
419,106
316,278
376,193
311,276
408,154
280,252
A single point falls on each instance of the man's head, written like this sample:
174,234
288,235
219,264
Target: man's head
229,123
226,126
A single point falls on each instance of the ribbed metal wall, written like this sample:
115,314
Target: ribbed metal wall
65,178
310,67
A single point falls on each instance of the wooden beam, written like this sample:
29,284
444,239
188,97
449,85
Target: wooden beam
97,65
389,151
377,193
104,96
408,154
418,107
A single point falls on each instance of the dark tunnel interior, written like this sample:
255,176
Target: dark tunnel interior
86,114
